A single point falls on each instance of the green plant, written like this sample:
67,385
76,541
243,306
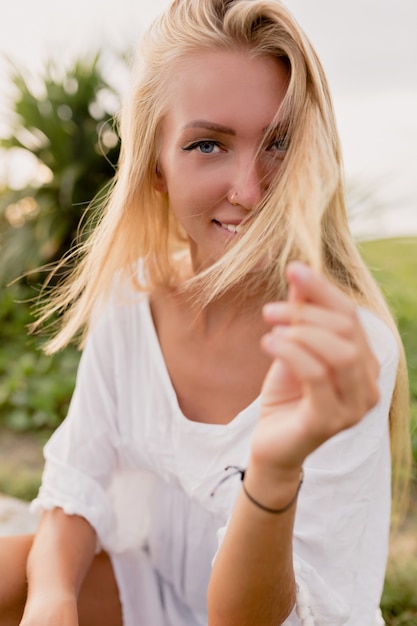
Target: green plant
394,265
35,389
399,600
399,603
64,120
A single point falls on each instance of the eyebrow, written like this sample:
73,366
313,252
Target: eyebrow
219,128
280,126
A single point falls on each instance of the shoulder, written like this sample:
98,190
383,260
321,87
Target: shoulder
120,328
122,307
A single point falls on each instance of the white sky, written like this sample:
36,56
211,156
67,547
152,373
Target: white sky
368,49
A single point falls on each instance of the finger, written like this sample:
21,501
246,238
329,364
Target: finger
286,313
328,411
321,403
336,352
310,286
350,369
328,416
315,317
303,364
293,295
354,367
314,287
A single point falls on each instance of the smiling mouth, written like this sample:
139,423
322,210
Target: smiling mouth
232,228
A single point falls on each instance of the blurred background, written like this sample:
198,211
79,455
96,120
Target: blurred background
64,68
368,49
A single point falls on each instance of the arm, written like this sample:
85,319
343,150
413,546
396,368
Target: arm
323,379
73,498
252,580
61,555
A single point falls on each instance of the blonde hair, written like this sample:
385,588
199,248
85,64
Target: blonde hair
302,217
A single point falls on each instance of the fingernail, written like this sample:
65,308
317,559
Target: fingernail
280,331
275,337
277,333
301,270
268,341
272,308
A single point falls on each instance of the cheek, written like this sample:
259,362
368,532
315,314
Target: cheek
194,188
194,195
211,187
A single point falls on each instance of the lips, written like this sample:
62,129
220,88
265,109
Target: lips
232,228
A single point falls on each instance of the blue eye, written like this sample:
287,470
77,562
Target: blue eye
280,144
204,147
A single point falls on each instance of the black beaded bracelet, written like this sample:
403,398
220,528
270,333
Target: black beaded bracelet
267,508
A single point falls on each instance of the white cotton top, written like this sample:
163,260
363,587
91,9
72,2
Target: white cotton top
142,474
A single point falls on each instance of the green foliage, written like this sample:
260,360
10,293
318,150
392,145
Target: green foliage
35,389
399,600
65,121
62,119
393,262
394,265
21,484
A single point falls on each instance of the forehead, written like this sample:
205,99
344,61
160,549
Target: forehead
228,87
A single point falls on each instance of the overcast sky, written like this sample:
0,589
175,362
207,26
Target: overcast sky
368,49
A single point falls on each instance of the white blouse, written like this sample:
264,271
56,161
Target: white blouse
142,474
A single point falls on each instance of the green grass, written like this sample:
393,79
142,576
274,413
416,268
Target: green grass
393,262
23,483
399,599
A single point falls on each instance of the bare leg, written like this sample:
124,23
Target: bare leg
13,555
98,604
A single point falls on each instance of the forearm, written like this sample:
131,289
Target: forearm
62,552
252,580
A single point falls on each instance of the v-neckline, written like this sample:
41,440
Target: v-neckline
162,366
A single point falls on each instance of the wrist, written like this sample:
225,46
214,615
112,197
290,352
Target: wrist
51,606
51,592
274,491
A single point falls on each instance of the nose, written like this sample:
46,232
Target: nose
249,184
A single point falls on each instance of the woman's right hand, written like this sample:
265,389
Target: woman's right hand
61,554
51,609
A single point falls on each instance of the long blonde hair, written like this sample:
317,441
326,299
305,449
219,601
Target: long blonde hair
302,217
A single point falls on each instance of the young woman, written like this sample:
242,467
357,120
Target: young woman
229,323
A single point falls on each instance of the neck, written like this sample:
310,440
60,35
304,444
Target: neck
228,310
240,304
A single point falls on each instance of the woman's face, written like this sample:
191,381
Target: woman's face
221,106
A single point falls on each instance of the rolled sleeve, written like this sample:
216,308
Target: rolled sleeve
82,454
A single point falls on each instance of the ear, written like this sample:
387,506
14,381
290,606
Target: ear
159,180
